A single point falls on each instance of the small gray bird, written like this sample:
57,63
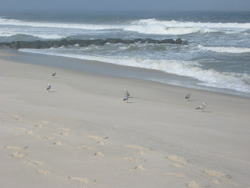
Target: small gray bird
126,95
53,74
48,87
188,96
202,106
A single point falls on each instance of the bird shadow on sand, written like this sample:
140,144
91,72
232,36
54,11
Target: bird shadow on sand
204,111
129,102
53,91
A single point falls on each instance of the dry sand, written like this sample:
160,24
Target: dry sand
81,133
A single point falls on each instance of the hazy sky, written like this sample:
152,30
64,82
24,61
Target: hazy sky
109,5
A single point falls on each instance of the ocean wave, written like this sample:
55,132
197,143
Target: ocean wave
211,78
15,22
160,27
174,23
144,26
235,50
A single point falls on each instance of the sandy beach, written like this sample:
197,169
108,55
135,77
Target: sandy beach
82,134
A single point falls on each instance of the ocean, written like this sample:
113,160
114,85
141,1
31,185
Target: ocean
216,57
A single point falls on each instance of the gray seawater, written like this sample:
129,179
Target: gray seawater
216,58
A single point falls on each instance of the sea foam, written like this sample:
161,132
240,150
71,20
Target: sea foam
154,26
212,78
235,50
58,25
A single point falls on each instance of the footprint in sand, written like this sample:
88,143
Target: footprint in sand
17,117
135,147
21,128
85,147
193,184
65,129
177,175
140,167
12,147
98,139
37,164
141,152
48,138
140,148
63,134
216,181
45,122
34,163
57,143
217,174
29,132
95,137
100,143
177,159
99,154
39,126
132,159
220,178
81,180
177,165
43,172
18,154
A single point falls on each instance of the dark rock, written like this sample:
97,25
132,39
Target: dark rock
178,41
70,42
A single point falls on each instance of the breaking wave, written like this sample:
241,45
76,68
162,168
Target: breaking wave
144,26
153,26
15,22
212,78
235,50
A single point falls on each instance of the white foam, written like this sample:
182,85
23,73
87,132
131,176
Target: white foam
42,36
211,78
57,25
174,23
160,29
153,26
235,50
145,26
5,34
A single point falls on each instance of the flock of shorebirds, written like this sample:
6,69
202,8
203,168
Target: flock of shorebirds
201,107
49,86
127,95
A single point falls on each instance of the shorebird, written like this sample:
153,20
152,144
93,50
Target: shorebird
188,96
126,95
202,106
54,74
48,87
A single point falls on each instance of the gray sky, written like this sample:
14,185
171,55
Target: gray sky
108,5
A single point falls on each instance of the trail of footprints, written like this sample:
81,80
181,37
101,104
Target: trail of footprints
215,177
22,153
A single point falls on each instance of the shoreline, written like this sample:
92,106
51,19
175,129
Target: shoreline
109,69
74,134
